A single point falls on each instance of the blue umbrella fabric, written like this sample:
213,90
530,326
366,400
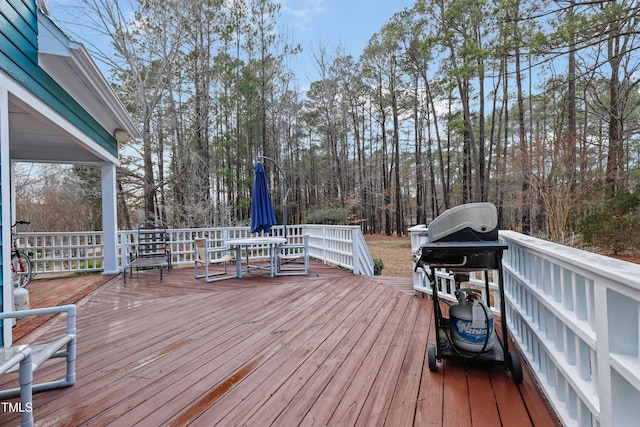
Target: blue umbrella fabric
262,214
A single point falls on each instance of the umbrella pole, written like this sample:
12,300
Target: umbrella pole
285,192
284,206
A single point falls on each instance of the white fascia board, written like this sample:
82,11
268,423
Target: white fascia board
57,54
86,66
51,39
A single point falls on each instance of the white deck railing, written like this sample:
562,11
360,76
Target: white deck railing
62,252
575,317
343,246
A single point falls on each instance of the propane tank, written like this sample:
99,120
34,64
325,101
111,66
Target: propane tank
468,320
20,295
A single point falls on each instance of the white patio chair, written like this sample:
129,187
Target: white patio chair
210,256
293,257
20,356
63,346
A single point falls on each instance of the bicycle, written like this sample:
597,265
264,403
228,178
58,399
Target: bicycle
20,263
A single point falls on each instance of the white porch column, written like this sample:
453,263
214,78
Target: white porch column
5,213
109,219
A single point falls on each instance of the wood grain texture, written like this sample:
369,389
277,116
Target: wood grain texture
329,349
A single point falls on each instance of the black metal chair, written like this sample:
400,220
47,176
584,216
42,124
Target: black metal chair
153,249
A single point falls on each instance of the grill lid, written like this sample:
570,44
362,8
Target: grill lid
469,222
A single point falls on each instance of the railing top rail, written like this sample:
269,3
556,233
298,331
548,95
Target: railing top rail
595,264
348,227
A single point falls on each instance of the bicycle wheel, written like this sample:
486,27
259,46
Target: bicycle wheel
23,268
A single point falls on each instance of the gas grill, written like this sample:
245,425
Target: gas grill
461,240
464,238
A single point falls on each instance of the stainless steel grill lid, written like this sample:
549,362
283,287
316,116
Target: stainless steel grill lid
469,222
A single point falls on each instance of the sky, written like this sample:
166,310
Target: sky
347,24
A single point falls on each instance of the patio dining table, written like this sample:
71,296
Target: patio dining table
268,243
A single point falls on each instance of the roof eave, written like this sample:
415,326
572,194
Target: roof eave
57,54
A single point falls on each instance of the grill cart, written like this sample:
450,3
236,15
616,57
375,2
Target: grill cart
464,239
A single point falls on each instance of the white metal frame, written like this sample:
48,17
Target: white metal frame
207,253
61,346
292,258
21,357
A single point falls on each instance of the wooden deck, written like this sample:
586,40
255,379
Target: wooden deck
328,349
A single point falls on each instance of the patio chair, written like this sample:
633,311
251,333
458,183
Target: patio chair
209,256
19,358
292,257
26,359
152,250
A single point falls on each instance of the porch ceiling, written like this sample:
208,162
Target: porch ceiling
32,137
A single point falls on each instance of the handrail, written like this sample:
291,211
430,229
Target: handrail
575,317
81,252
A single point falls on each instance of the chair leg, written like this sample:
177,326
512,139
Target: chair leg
26,392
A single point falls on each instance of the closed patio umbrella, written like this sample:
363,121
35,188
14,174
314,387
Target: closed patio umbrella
262,214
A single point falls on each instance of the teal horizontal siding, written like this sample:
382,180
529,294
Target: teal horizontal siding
19,27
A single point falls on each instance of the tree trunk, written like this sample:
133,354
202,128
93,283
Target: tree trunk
525,209
614,157
396,152
149,182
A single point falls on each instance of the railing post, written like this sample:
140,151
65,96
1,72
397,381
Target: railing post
324,244
356,254
124,245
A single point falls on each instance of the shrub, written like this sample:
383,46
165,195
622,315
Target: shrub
615,227
330,216
378,266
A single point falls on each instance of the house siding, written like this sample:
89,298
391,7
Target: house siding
19,31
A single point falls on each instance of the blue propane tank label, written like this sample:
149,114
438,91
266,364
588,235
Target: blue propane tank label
471,334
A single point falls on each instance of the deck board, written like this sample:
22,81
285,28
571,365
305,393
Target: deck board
456,409
404,403
329,349
321,347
